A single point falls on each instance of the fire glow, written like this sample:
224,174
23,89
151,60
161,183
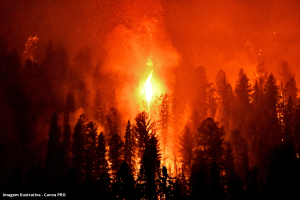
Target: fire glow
148,90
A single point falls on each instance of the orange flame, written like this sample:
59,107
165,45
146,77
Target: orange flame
148,89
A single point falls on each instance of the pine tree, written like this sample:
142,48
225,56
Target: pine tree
78,148
202,85
212,102
176,123
150,169
102,175
90,151
228,168
242,102
112,123
242,90
101,161
226,97
99,107
53,149
129,148
296,135
124,186
210,139
208,160
257,95
164,120
198,182
143,129
115,153
291,89
66,144
186,150
273,135
288,121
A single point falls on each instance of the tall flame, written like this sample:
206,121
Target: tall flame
148,90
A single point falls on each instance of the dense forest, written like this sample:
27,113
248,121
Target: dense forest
152,99
61,131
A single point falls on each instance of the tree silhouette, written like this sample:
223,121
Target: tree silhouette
124,186
112,123
143,129
101,162
242,102
210,139
102,174
164,121
116,152
150,169
64,159
225,93
186,150
228,168
90,151
53,149
129,148
78,147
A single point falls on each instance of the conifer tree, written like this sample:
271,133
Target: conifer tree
288,121
186,150
143,129
164,120
291,89
296,135
210,139
78,147
242,90
150,169
102,175
129,148
112,123
101,162
242,102
116,153
66,144
208,160
99,107
202,85
124,186
53,149
225,94
228,167
272,125
90,151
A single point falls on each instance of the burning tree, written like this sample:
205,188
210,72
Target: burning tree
164,121
143,128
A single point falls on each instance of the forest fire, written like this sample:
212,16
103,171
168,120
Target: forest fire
148,90
220,80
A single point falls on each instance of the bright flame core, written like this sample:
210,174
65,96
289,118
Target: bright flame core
148,90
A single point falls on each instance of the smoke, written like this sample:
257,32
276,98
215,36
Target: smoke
215,34
128,47
178,36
